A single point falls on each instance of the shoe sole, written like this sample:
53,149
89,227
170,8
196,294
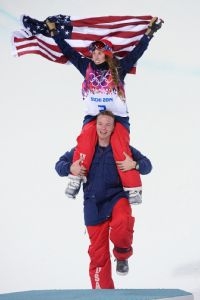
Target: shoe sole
70,196
121,274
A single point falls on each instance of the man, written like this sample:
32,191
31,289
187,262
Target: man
107,211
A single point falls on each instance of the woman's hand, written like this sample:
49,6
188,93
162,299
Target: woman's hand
154,26
51,26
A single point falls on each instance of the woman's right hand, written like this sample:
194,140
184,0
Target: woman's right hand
51,26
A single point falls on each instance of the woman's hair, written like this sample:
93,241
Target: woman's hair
113,66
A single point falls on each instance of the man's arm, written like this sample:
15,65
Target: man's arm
66,166
144,165
140,162
77,168
63,165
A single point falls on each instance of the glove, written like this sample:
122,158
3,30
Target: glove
59,25
51,26
154,26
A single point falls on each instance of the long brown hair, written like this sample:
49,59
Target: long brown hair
113,66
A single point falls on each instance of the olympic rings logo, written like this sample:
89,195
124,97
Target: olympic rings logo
100,80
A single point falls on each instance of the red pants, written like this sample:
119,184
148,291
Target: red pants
120,141
118,229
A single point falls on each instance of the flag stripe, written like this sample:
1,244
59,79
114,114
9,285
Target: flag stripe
90,22
124,32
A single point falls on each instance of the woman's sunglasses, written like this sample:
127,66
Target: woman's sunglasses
99,46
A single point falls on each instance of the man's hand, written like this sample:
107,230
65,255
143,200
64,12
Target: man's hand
77,168
127,164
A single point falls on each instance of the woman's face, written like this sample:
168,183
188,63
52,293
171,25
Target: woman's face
98,56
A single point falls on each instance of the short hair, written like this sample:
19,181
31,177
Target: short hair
106,113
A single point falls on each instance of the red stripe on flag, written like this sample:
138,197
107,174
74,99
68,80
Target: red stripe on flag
123,31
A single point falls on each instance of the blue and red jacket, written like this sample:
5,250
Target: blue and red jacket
103,187
81,62
124,66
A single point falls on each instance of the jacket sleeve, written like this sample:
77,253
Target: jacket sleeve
79,61
145,166
62,166
130,59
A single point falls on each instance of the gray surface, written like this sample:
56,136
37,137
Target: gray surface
117,294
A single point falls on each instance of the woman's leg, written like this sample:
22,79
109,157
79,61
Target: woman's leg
120,142
85,148
86,143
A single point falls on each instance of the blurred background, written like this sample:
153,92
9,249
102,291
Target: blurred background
43,244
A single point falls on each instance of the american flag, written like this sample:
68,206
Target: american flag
124,32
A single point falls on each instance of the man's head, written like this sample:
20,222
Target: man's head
105,125
100,49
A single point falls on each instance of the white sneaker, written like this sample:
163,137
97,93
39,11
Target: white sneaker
73,186
135,195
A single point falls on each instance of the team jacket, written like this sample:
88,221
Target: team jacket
103,187
99,92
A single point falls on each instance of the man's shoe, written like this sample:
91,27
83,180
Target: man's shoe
134,195
73,186
122,267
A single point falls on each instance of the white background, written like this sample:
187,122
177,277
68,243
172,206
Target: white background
43,244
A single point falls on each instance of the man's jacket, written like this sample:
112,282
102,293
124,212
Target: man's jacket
103,187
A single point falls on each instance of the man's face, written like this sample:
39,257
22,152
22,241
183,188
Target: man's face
105,126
